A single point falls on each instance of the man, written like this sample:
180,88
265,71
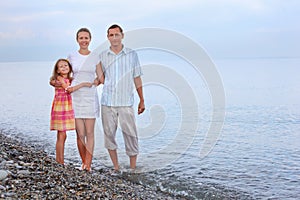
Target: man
122,72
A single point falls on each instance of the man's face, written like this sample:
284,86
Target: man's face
115,37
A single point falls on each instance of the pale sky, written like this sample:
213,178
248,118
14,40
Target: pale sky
36,30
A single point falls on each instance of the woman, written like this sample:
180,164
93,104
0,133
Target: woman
85,100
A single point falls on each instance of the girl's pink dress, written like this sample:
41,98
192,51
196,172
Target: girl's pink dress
62,113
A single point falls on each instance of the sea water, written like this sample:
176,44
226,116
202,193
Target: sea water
256,154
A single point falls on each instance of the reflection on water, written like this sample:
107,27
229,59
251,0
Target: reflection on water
257,155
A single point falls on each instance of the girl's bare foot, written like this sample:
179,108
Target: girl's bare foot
88,169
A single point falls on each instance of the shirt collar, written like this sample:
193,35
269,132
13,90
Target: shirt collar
124,50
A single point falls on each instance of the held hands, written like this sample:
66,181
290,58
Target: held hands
70,89
55,83
98,81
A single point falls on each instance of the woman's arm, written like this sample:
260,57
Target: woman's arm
77,87
100,74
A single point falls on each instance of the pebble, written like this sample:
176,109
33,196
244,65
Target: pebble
25,172
3,174
29,173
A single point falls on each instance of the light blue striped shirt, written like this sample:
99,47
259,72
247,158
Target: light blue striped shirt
119,71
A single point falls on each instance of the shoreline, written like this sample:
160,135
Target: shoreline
28,172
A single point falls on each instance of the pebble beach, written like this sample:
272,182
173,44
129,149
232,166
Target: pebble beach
28,172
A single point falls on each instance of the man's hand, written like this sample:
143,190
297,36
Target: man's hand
96,82
141,107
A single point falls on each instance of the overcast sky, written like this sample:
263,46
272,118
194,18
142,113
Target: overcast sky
36,30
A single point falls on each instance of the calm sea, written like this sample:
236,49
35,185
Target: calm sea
256,154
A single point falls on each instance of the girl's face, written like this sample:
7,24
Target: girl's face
63,68
83,39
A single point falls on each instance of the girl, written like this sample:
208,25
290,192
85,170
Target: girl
62,113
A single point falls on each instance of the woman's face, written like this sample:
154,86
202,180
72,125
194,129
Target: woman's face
84,40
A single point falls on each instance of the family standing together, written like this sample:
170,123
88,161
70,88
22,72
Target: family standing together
76,104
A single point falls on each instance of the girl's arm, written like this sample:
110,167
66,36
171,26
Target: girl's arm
77,87
55,83
63,83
